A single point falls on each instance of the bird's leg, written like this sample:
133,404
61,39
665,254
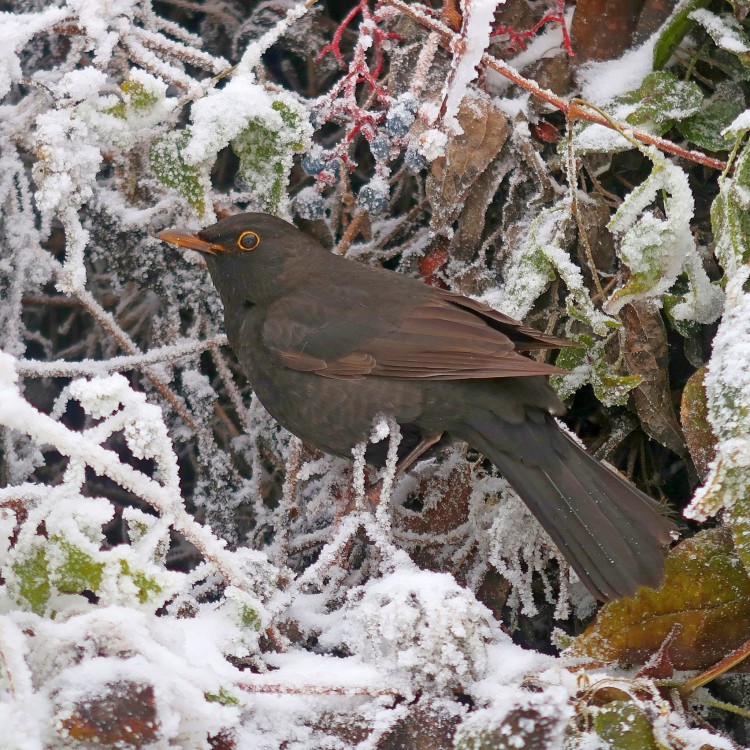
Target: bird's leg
373,493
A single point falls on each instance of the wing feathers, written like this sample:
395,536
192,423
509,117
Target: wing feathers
447,337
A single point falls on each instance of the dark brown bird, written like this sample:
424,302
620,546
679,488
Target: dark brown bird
329,344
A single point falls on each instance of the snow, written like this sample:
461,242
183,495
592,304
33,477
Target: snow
478,16
16,29
724,30
602,81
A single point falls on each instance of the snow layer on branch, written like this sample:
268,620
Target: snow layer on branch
475,34
103,23
16,29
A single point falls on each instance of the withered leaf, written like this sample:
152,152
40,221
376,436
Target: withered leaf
471,223
532,725
706,590
594,215
486,128
699,436
425,727
123,714
645,354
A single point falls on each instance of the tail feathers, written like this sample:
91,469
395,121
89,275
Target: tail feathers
612,534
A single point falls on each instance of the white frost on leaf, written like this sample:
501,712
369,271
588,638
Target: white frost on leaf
657,250
422,625
726,31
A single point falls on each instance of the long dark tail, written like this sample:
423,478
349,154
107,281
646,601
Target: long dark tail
612,534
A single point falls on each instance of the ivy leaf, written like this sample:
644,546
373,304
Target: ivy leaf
661,98
171,169
706,590
265,150
704,129
727,33
624,726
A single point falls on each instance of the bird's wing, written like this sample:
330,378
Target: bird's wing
442,337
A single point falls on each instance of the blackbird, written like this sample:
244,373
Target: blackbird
329,344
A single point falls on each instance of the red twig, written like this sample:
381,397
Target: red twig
517,39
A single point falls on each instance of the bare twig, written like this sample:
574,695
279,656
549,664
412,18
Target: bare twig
88,368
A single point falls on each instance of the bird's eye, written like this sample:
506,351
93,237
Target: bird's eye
248,241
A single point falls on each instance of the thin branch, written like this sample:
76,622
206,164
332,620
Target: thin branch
91,368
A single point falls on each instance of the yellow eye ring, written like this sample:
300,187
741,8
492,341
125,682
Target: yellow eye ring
248,241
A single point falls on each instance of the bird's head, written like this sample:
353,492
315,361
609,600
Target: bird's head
247,254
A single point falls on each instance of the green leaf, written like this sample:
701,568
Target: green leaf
642,251
674,31
136,97
661,98
249,617
686,328
171,169
730,216
77,571
727,33
609,387
148,588
624,726
223,697
704,128
33,578
265,153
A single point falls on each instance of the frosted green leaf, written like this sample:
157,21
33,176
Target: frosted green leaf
249,617
661,98
623,726
674,31
704,128
148,587
76,569
170,168
543,256
589,365
726,31
727,383
730,216
32,579
265,150
641,251
223,697
136,96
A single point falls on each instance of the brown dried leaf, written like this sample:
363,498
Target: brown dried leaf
706,591
594,215
486,128
645,355
603,29
532,725
699,436
123,714
423,728
471,223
